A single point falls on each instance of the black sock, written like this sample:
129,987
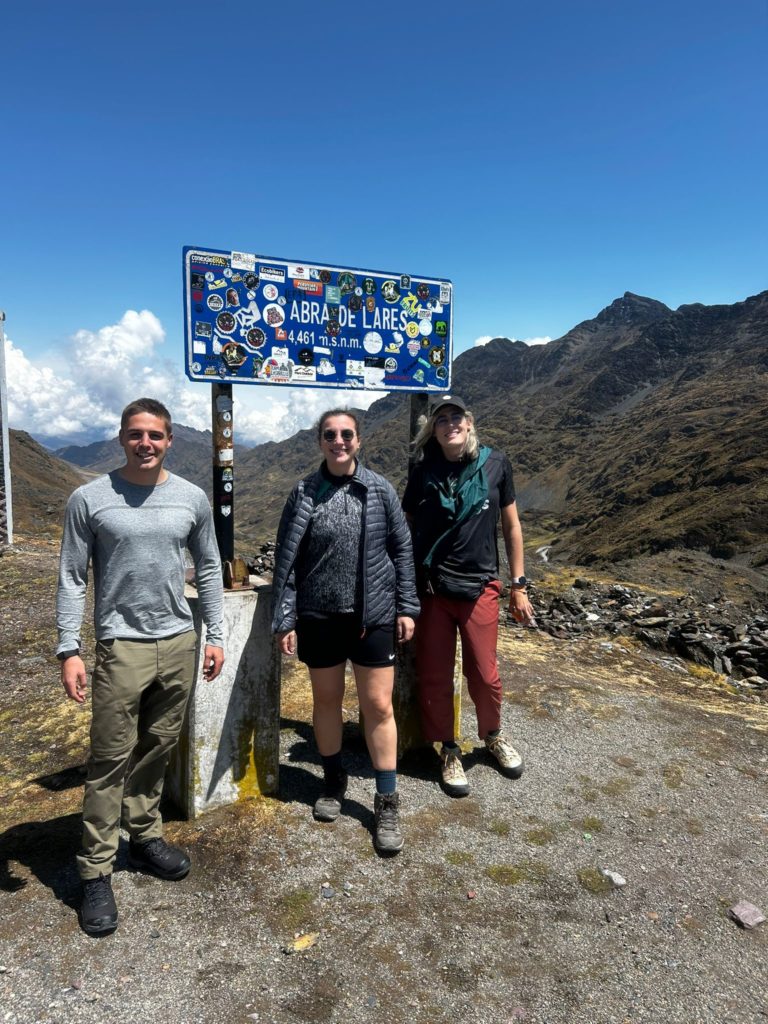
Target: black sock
332,766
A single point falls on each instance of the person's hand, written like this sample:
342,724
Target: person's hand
287,641
73,678
520,608
405,628
213,660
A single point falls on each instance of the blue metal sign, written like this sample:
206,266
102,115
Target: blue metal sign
256,320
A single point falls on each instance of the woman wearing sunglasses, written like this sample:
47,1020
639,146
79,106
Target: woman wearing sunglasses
344,589
455,497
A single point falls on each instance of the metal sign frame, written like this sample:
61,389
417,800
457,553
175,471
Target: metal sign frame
252,319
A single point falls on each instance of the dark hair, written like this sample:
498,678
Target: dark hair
337,412
149,405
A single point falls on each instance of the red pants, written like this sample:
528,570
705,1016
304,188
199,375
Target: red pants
478,625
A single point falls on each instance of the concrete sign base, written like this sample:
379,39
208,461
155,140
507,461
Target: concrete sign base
230,744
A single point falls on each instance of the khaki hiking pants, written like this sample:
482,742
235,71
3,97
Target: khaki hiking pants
139,695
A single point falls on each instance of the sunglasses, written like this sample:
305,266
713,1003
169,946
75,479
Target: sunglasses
346,435
454,419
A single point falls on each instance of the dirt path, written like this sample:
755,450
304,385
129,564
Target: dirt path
493,913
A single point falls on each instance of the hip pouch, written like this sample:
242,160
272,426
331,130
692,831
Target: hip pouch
459,586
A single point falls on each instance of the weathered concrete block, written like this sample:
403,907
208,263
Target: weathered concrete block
229,747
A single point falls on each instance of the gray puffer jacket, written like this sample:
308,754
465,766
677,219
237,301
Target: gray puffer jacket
389,582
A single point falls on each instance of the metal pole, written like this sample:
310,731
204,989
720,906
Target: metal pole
223,469
6,502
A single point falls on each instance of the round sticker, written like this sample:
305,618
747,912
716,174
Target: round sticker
251,281
437,356
369,286
215,302
347,283
225,417
412,329
425,326
423,292
274,315
441,373
281,300
226,432
306,356
234,355
390,365
209,275
358,291
196,367
255,337
373,342
390,291
355,303
270,292
333,327
228,487
227,272
325,276
226,322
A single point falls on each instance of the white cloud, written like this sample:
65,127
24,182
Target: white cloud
537,341
479,342
79,397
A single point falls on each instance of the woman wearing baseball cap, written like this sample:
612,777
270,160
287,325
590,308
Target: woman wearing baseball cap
456,495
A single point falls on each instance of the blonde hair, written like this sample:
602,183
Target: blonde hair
420,447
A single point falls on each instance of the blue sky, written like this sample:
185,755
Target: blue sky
546,158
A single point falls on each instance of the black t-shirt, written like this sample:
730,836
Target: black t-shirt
472,546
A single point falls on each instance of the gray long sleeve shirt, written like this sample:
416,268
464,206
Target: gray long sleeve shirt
135,538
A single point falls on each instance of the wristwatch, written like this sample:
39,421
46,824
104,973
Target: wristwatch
67,654
520,581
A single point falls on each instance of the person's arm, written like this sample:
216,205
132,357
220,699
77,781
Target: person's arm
284,577
76,547
519,605
205,555
400,551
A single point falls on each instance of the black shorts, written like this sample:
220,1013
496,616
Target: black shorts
322,643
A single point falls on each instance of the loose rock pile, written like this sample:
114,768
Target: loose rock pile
262,564
714,635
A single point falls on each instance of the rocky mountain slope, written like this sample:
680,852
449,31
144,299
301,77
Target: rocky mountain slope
637,431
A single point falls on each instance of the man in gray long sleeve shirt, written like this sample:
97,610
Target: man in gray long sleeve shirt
133,526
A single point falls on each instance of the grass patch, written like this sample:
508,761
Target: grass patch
589,824
694,827
541,836
616,787
591,880
514,874
672,774
293,909
459,857
499,828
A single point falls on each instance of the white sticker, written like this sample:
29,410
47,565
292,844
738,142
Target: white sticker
326,368
270,292
226,455
280,354
272,274
425,326
226,510
243,261
305,373
298,272
199,348
355,367
373,342
373,377
445,293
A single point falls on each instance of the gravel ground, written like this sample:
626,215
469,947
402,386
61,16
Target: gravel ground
494,911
